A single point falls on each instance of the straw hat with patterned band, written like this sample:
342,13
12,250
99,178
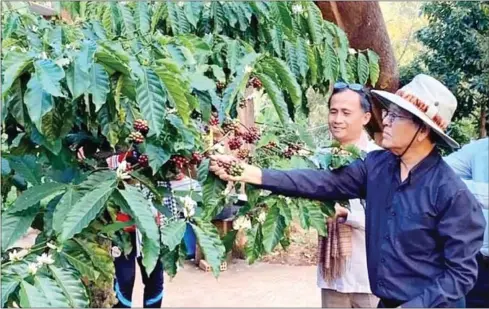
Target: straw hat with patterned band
427,99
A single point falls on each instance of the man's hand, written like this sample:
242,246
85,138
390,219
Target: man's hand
250,174
341,213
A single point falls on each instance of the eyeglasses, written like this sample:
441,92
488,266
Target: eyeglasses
342,85
393,116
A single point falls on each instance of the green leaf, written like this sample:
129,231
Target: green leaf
151,99
192,12
316,217
212,197
172,234
14,226
285,211
114,227
142,17
94,180
157,157
374,67
51,290
210,243
218,73
203,170
78,74
15,103
159,12
288,80
30,297
72,287
175,88
237,86
273,229
128,28
276,97
314,22
35,194
113,57
82,264
302,56
99,85
147,182
169,259
139,208
49,74
330,63
15,64
254,244
38,102
64,206
58,122
232,55
362,70
28,167
201,82
228,240
86,209
151,252
9,284
313,65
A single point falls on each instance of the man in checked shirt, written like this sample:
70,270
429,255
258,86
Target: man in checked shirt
423,226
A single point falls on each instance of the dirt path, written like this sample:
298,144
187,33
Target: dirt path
242,285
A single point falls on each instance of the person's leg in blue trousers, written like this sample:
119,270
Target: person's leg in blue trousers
478,297
125,272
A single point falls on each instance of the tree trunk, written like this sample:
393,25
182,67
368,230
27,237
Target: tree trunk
482,123
365,27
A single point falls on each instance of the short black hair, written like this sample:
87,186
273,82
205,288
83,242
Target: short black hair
365,100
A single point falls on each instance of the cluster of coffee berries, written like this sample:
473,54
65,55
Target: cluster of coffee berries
234,168
235,143
255,82
143,160
179,161
141,126
252,136
196,158
230,126
243,154
136,137
292,149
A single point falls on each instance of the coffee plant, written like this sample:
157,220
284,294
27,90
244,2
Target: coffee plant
159,83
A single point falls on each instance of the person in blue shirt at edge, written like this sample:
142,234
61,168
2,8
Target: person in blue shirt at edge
472,164
423,226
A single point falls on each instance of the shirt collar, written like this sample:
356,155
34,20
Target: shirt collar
422,167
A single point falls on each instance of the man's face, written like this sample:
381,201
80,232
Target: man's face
346,117
399,129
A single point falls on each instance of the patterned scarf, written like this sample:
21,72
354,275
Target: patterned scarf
334,250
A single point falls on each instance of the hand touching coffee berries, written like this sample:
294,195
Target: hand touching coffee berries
141,126
243,154
233,168
136,137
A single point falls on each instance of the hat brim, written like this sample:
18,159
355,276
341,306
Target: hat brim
387,98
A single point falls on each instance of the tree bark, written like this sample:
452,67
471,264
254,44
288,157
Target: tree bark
365,27
482,123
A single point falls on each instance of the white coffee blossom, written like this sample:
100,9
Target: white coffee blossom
242,222
14,304
181,3
189,206
51,246
121,171
63,62
17,256
262,216
207,4
297,9
352,51
45,259
32,268
248,69
303,152
116,252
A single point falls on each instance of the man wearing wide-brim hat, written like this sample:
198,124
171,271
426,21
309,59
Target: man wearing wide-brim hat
423,226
